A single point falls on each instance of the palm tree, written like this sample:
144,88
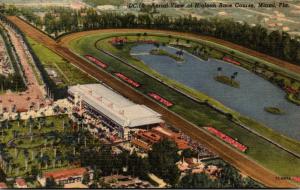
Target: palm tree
40,161
41,152
54,163
46,160
30,124
18,118
63,125
6,124
232,78
138,35
78,139
188,41
16,152
255,66
235,74
2,130
55,152
26,155
58,159
145,34
45,142
17,168
157,45
32,154
169,36
219,71
56,109
43,114
69,157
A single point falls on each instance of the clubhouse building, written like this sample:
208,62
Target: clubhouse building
113,110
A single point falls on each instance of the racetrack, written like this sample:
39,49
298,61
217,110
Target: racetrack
237,159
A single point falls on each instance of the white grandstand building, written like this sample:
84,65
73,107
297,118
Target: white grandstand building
115,111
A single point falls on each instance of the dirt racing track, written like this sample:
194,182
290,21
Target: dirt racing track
237,159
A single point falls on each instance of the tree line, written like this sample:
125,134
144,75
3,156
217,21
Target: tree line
279,44
161,161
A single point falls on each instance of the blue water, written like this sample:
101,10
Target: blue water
254,93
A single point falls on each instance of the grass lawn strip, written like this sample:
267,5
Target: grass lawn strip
70,73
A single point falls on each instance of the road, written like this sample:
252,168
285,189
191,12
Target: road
237,159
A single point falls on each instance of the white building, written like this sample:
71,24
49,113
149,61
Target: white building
115,111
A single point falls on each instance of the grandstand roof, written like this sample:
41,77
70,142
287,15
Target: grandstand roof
116,107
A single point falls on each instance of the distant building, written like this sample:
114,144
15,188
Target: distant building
115,111
65,176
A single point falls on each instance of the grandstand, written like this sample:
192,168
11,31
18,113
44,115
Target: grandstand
115,111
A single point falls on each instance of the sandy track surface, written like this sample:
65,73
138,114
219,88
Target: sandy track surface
34,94
237,159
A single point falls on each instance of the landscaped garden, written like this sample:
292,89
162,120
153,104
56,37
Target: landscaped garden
198,113
41,144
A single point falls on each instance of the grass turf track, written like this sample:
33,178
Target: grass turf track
240,161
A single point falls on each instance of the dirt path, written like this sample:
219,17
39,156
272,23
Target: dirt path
34,93
237,159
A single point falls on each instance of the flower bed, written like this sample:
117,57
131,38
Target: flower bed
160,99
231,60
128,80
96,61
227,139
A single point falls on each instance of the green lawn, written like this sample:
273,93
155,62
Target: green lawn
69,73
260,150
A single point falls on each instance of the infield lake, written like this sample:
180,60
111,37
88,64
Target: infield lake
254,94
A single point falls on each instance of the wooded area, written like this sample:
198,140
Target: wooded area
59,21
